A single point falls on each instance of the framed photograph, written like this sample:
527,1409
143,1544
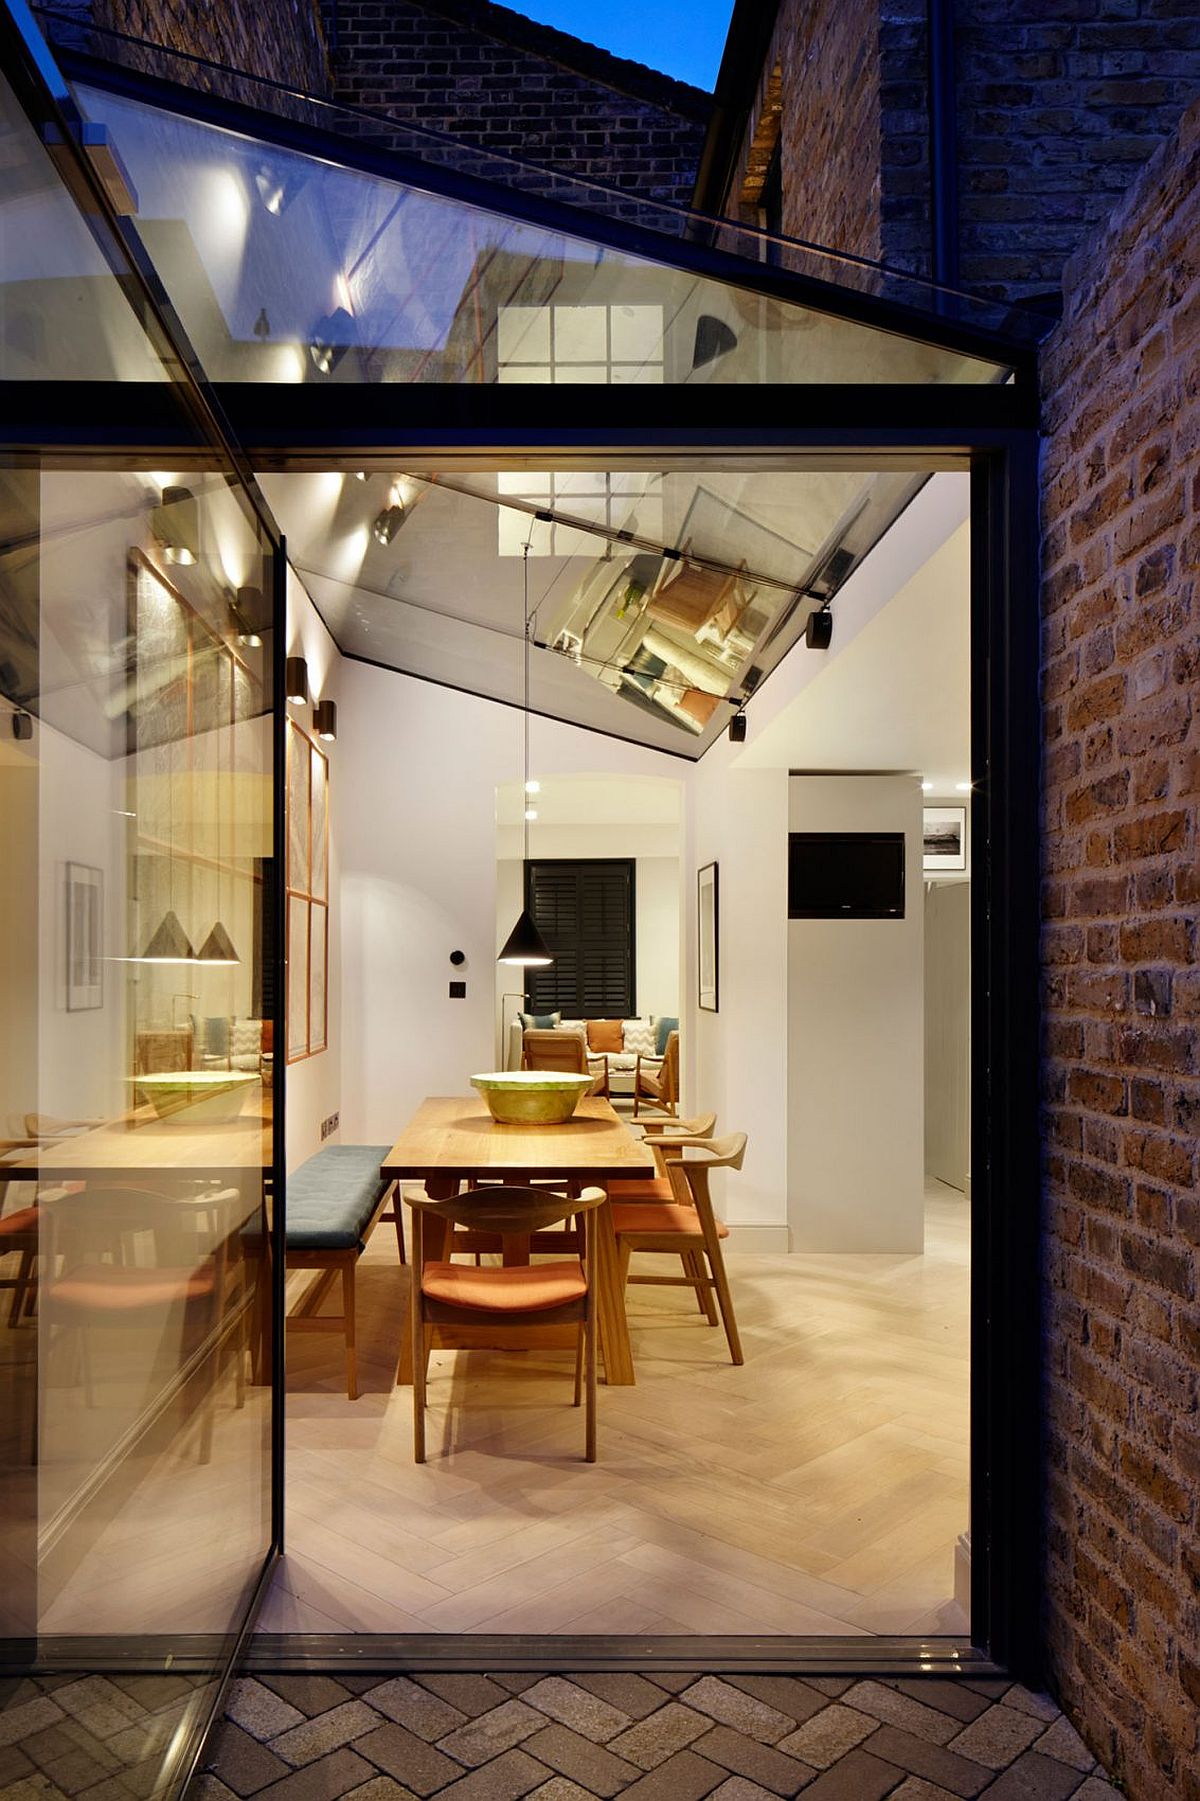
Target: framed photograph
707,938
85,938
945,840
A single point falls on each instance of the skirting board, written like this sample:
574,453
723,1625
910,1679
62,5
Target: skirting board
759,1241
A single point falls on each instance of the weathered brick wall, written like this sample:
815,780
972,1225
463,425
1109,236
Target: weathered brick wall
282,40
825,62
494,79
1060,103
1122,981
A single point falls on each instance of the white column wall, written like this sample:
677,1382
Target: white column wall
856,1048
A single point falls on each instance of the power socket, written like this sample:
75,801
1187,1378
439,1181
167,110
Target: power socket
329,1126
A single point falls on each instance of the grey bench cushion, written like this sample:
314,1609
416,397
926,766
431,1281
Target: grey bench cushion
330,1199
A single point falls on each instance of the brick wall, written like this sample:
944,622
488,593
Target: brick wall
1122,722
280,39
1059,103
496,80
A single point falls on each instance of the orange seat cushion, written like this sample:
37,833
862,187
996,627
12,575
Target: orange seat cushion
606,1035
649,1188
111,1288
528,1288
13,1224
659,1216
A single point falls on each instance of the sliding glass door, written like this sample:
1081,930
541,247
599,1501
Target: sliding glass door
137,1056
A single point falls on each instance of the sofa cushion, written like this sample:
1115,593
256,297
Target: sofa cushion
639,1037
331,1198
664,1025
604,1035
539,1022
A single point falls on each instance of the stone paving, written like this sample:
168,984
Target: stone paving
652,1737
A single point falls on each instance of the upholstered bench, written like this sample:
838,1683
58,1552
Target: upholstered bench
334,1203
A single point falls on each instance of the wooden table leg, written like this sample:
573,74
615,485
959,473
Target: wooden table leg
610,1303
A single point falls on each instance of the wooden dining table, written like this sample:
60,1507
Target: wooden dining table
454,1139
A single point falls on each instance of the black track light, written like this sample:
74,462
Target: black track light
818,632
737,728
388,523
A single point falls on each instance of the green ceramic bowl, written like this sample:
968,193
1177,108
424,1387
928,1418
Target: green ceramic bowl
195,1096
531,1097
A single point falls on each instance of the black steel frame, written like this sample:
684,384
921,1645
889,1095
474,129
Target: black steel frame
991,429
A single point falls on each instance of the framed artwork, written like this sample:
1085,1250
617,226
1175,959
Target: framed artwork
85,937
945,840
307,896
707,938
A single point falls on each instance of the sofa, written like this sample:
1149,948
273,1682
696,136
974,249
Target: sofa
630,1037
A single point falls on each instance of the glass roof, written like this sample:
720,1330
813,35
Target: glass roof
288,267
658,597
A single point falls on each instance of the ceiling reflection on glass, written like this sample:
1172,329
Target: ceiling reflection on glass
289,268
658,599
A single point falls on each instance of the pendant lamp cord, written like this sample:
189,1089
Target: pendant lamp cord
525,782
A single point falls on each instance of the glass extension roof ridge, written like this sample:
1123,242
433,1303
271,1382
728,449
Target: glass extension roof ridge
934,310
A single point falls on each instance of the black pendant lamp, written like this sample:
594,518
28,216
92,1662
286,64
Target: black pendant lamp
525,948
217,947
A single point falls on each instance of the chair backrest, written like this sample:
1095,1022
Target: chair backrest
716,1153
670,1068
511,1212
556,1050
700,1125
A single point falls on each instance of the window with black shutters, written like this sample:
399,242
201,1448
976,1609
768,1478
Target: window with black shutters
585,912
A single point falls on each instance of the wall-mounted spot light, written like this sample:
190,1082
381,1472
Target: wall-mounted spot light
714,339
331,339
360,475
325,720
737,728
277,188
388,523
175,522
818,631
22,726
244,611
295,680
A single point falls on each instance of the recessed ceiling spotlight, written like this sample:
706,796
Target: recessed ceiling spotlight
533,787
926,787
962,787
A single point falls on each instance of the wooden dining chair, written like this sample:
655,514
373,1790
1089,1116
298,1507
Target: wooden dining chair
658,1188
517,1295
565,1051
685,1225
658,1089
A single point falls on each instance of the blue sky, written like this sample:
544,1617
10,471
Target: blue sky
685,40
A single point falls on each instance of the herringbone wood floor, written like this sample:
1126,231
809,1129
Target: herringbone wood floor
819,1489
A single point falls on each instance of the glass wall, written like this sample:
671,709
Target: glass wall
137,1050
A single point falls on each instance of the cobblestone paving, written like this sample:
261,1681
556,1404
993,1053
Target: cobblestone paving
654,1737
93,1738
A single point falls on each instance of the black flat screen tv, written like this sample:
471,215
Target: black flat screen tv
845,875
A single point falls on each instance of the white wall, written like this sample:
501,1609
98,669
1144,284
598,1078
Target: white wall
418,769
314,1084
736,1059
856,1050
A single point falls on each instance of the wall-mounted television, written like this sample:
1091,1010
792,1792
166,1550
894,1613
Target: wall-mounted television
845,875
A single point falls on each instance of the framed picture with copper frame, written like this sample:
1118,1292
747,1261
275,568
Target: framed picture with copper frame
307,896
708,948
